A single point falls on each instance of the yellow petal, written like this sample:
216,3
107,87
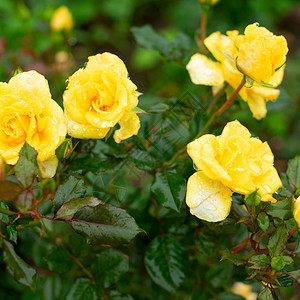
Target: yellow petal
266,93
218,42
205,71
203,152
277,77
296,211
208,199
47,168
129,125
257,105
85,131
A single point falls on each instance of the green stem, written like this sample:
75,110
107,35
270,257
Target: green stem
75,259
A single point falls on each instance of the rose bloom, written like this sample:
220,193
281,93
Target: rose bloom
27,113
231,162
296,210
61,19
100,96
258,53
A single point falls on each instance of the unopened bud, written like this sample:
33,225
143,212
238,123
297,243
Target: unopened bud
253,198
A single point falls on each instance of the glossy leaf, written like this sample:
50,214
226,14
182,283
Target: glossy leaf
278,241
109,266
265,294
282,209
68,209
83,288
70,189
4,217
17,267
105,224
12,233
166,261
169,189
26,168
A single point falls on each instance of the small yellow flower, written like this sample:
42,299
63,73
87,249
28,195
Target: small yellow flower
244,290
231,162
100,96
296,211
27,113
258,54
62,19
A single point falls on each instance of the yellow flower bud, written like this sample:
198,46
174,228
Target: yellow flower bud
244,290
100,96
232,162
27,113
296,211
62,19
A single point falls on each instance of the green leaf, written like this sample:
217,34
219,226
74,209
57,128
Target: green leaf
3,217
169,189
166,262
277,263
295,275
12,233
158,108
59,260
26,168
220,274
68,209
262,258
263,221
287,260
143,160
105,224
235,258
265,294
70,189
83,288
115,295
138,110
282,209
9,190
285,280
253,198
293,172
17,267
109,266
278,241
148,38
229,296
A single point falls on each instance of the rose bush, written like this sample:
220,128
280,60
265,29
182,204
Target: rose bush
236,162
27,113
100,96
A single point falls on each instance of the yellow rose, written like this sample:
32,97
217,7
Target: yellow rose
231,162
100,96
61,19
244,290
259,63
296,211
27,113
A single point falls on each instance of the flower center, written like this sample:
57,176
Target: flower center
102,101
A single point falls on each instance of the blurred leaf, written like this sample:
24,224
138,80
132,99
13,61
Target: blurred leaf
59,260
265,294
166,261
259,261
12,233
277,263
71,188
158,108
263,221
26,168
109,266
148,38
138,110
295,275
278,241
285,280
235,258
114,295
9,190
293,171
220,274
143,160
169,189
287,260
68,209
17,267
105,224
83,288
281,209
230,296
